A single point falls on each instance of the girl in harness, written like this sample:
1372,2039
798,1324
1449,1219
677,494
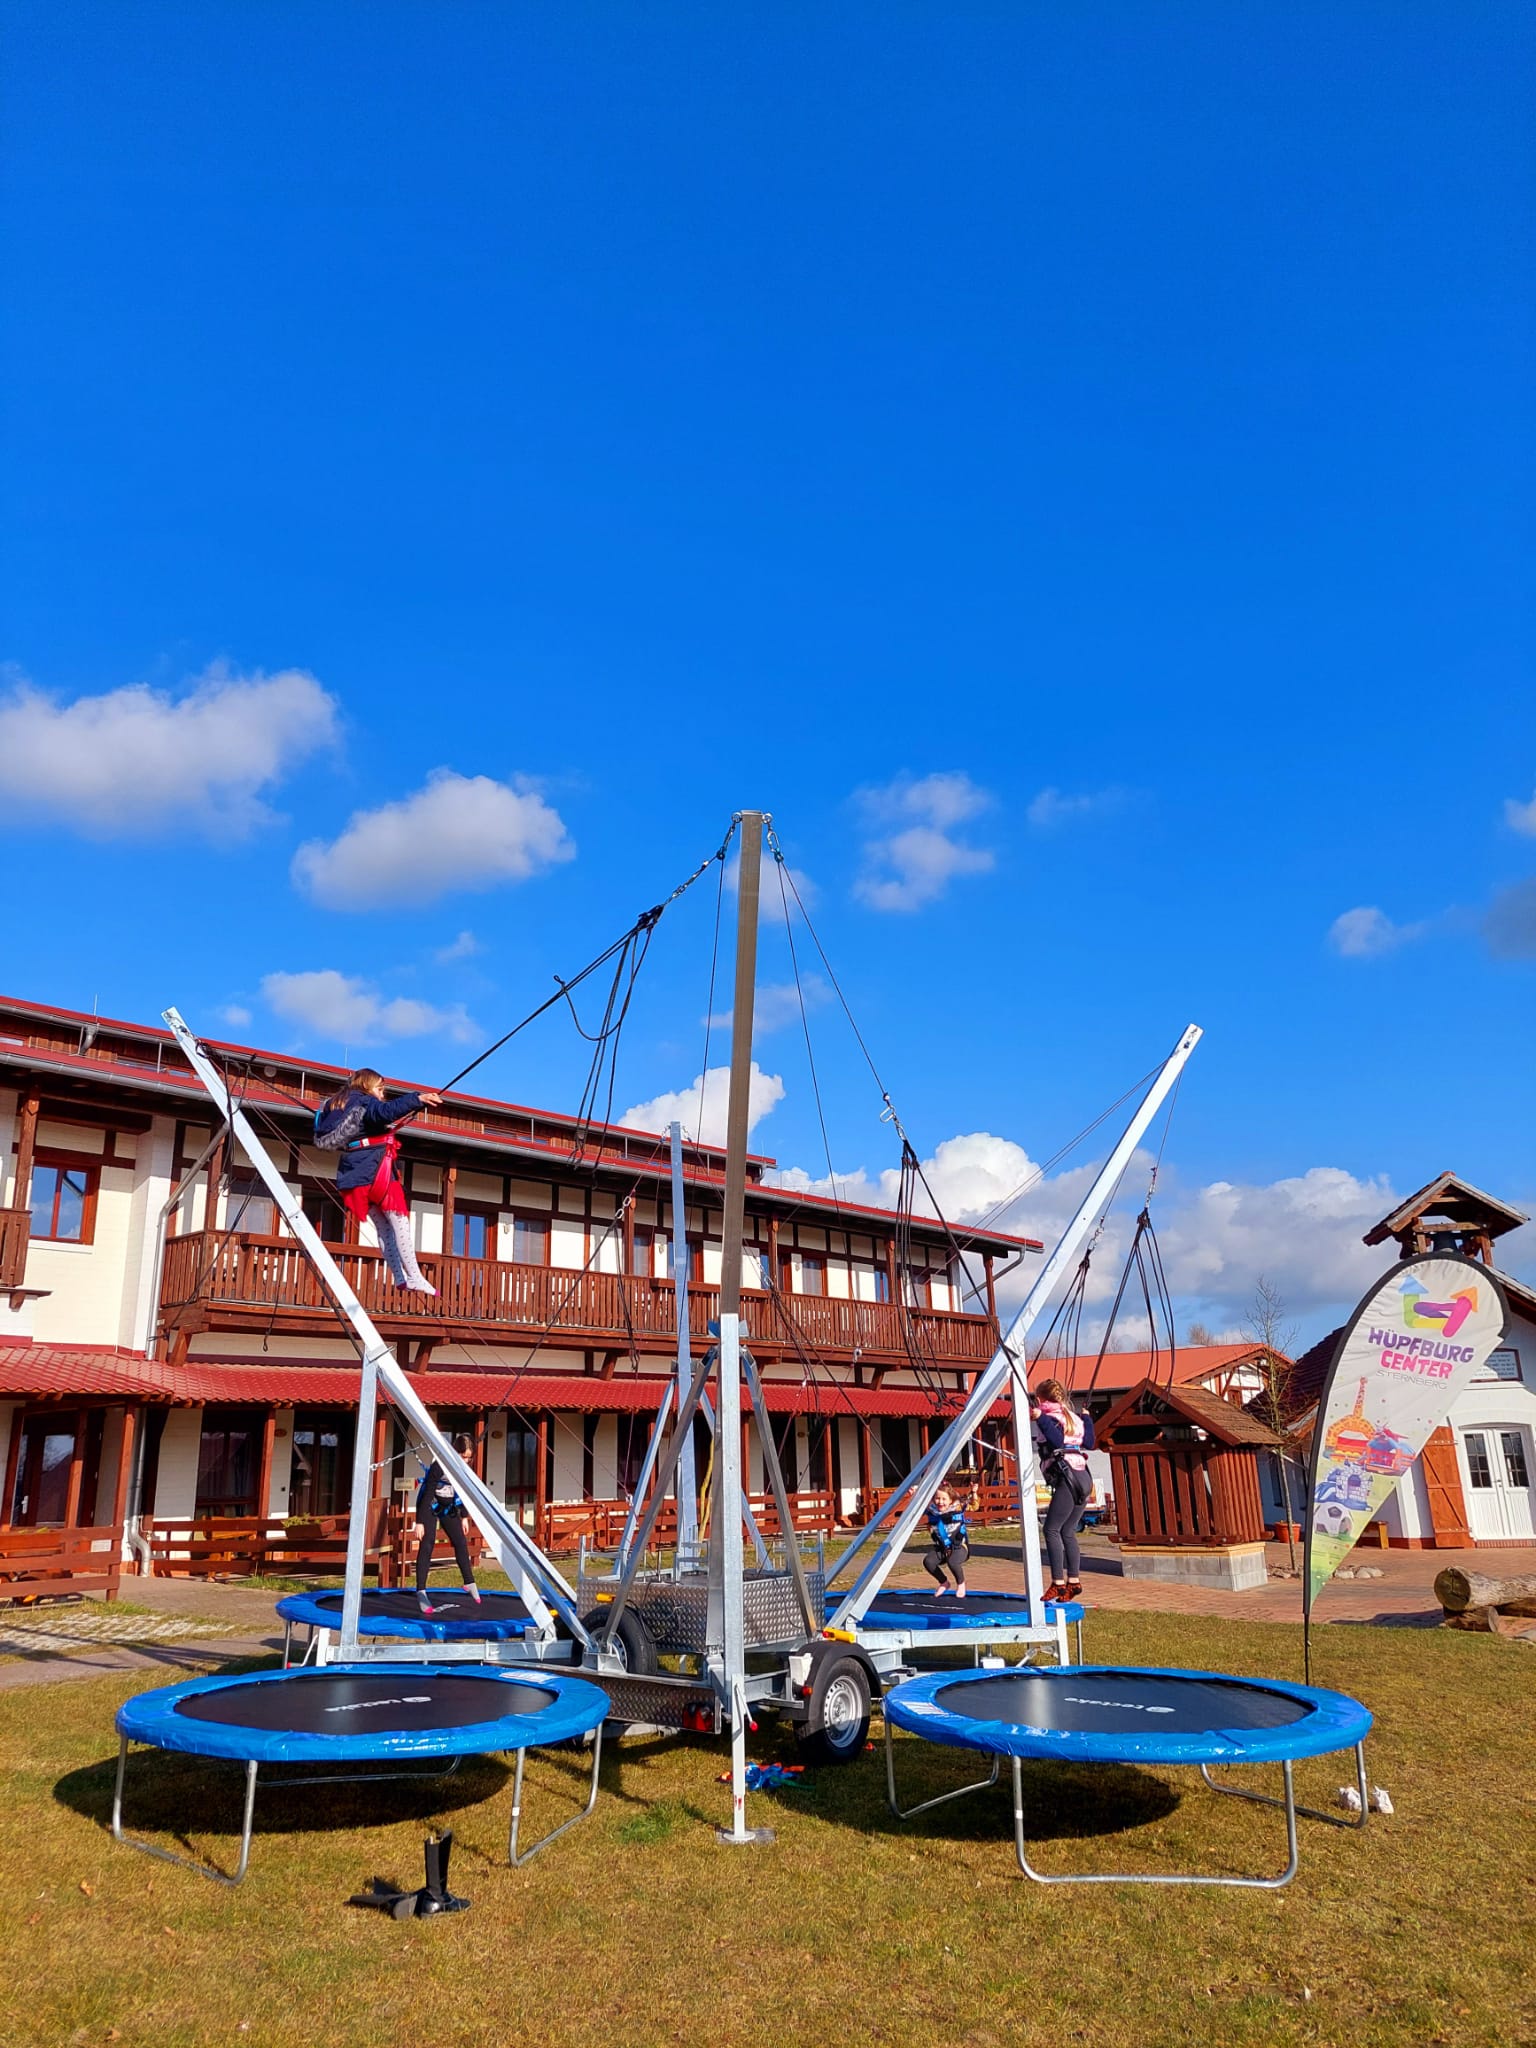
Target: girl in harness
1067,1438
358,1122
438,1507
949,1549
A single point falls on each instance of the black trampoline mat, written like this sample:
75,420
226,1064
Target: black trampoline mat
1071,1702
397,1605
913,1600
337,1703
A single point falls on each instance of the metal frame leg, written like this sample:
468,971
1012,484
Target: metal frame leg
942,1799
517,1860
1263,1884
1312,1812
169,1855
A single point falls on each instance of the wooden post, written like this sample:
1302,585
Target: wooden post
628,1253
866,1483
26,1147
12,1458
264,1465
450,1192
124,1465
991,1289
890,1271
218,1161
76,1473
540,1475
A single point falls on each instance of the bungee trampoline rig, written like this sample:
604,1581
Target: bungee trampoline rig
775,1633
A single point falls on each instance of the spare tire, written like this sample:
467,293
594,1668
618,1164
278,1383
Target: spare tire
631,1639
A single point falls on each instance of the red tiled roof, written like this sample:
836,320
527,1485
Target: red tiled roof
1127,1368
97,1372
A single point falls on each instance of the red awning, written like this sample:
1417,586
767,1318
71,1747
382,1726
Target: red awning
102,1372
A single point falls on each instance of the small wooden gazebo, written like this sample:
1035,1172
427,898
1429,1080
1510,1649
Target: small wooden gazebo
1184,1467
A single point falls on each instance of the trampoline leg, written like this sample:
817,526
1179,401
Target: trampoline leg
516,1859
169,1855
943,1798
1262,1884
1332,1820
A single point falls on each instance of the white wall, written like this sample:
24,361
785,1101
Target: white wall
176,1485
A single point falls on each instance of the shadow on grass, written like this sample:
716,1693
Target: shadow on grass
172,1793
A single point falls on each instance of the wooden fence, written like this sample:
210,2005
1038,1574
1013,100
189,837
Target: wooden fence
45,1563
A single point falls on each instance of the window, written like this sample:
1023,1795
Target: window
643,1257
895,1449
474,1233
1503,1364
1478,1469
64,1197
813,1273
249,1208
757,1268
227,1462
634,1435
322,1459
1513,1445
870,1282
530,1240
915,1285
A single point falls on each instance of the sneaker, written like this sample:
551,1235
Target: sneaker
1053,1593
424,1603
1074,1590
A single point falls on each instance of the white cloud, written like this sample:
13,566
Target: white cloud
345,1007
1367,933
709,1090
1521,817
1052,807
914,865
137,761
236,1014
464,947
777,1003
457,832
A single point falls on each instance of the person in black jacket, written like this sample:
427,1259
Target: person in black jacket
359,1123
438,1507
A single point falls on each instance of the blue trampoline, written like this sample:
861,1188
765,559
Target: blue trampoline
1109,1714
349,1714
914,1607
455,1617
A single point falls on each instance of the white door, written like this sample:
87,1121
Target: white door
1500,1501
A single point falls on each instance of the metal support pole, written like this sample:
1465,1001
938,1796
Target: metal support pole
357,1520
647,1468
729,1651
916,1493
1029,1519
687,1478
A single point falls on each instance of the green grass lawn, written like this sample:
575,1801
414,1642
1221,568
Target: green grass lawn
852,1928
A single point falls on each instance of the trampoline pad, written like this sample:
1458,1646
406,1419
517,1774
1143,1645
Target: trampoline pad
1096,1713
1107,1702
914,1607
455,1617
342,1702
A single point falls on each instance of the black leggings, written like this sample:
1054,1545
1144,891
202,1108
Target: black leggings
954,1557
1062,1518
451,1521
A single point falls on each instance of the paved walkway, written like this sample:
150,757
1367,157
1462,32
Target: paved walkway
1403,1597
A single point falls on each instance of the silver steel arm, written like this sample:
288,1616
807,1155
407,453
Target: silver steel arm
918,1489
539,1585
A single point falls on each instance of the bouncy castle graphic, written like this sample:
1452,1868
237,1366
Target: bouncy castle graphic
1410,1348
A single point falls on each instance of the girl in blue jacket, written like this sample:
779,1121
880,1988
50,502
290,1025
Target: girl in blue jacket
358,1121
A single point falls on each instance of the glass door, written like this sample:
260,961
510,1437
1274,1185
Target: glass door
1500,1502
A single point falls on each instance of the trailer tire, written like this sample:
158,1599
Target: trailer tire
836,1725
632,1640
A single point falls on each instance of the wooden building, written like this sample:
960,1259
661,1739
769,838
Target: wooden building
178,1359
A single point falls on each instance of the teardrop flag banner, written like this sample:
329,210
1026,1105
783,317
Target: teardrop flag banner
1402,1359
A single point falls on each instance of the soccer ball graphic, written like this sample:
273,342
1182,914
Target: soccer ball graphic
1334,1519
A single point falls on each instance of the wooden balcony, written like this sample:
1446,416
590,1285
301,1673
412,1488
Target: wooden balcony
15,1231
211,1281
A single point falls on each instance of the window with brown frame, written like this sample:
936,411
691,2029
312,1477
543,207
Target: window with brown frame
474,1233
64,1189
530,1240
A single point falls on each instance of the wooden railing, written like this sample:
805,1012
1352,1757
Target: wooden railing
241,1546
15,1232
44,1563
214,1279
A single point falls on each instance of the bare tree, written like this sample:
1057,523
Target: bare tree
1269,1326
1199,1333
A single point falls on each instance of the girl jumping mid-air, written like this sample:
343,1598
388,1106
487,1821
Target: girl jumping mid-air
949,1549
359,1123
438,1507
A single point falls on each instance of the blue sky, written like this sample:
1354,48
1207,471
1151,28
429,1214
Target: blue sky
1123,415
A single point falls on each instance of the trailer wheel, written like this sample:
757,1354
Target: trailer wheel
631,1639
836,1727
